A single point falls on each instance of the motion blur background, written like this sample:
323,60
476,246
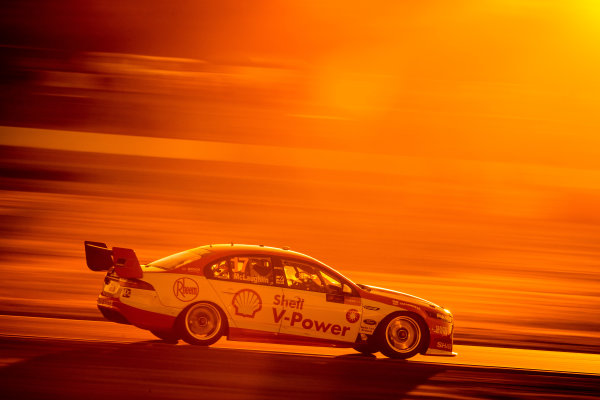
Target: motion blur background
450,150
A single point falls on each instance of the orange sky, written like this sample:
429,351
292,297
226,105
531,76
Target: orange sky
497,79
486,113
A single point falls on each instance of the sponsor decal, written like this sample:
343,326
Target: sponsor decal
403,304
442,330
185,289
369,322
352,316
193,270
246,303
280,280
126,292
445,346
296,319
367,329
295,302
238,276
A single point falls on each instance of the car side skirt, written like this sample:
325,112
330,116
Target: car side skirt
251,335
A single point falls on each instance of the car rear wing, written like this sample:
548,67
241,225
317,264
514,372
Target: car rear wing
100,258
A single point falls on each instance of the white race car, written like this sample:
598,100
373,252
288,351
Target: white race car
265,294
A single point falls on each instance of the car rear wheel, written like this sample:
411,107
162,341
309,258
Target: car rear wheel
201,324
167,336
401,335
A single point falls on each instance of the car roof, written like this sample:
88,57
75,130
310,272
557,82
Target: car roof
223,250
216,251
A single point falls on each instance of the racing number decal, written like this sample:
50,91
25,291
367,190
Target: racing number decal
185,289
246,303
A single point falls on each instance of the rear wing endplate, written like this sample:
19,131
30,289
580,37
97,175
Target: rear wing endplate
100,258
97,256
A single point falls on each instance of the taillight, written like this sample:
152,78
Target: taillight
135,284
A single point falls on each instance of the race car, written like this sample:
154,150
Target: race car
264,294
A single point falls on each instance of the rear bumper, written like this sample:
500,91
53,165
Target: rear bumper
113,315
116,311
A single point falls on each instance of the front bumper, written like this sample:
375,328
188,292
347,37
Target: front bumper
440,353
441,334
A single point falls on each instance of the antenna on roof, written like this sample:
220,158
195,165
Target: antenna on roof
286,247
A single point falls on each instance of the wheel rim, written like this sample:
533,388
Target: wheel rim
403,334
203,321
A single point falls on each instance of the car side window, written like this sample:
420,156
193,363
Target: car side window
249,269
332,284
219,270
303,276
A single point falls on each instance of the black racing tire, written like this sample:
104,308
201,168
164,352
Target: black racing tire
370,347
169,336
201,324
401,335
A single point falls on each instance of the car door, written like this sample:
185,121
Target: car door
246,288
316,304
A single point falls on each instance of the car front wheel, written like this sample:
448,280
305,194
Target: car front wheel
401,335
368,347
166,336
201,324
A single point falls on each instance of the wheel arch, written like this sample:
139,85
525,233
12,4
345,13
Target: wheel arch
224,317
420,320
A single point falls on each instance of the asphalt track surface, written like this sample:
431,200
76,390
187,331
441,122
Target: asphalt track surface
67,359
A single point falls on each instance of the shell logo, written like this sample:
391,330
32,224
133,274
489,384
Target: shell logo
246,303
352,316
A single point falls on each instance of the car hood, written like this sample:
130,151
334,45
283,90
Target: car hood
404,297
